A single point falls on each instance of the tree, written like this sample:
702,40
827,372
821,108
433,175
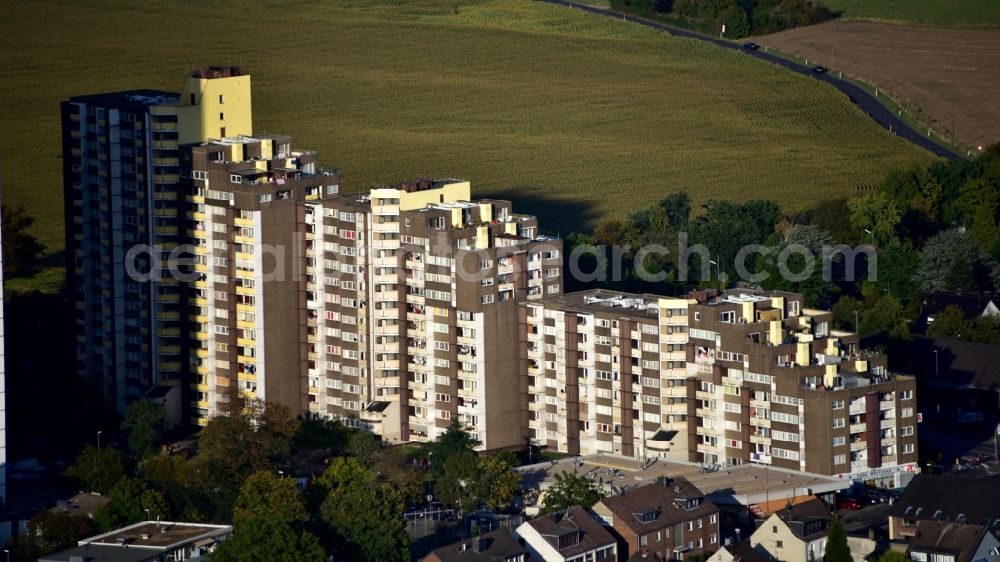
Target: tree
362,515
20,248
568,490
844,311
497,480
947,262
363,446
269,539
876,213
131,501
836,544
234,445
949,323
316,432
726,227
144,423
97,470
884,313
49,532
817,290
453,441
266,496
458,485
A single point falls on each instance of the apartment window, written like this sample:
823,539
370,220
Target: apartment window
487,299
222,99
907,448
780,544
838,404
839,459
907,431
838,423
905,394
222,330
838,441
906,412
712,519
222,116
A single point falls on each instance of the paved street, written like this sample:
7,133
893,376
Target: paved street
867,102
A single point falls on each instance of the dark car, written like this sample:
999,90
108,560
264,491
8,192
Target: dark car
819,69
751,46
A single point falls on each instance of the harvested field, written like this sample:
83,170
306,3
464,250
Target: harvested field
950,75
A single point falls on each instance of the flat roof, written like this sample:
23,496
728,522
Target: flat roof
162,535
735,485
128,98
604,301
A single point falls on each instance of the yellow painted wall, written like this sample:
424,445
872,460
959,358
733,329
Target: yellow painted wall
774,332
829,374
458,191
485,212
802,353
200,122
779,303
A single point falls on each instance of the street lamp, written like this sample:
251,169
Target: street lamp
936,370
857,329
718,273
99,432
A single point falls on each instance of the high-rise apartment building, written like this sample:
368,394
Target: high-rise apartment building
727,378
395,311
247,295
606,372
374,309
121,171
414,320
771,382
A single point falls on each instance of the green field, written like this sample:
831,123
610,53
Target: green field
538,103
973,13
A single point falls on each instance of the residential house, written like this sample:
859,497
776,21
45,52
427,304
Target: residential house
495,546
670,519
946,499
573,535
936,541
794,534
798,533
739,552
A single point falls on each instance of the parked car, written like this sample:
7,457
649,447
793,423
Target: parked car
751,46
819,69
970,418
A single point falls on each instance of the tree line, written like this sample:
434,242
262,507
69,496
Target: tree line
741,17
932,228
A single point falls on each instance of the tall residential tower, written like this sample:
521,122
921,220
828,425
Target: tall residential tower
121,173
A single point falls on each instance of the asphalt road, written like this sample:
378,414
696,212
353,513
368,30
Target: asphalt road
865,101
